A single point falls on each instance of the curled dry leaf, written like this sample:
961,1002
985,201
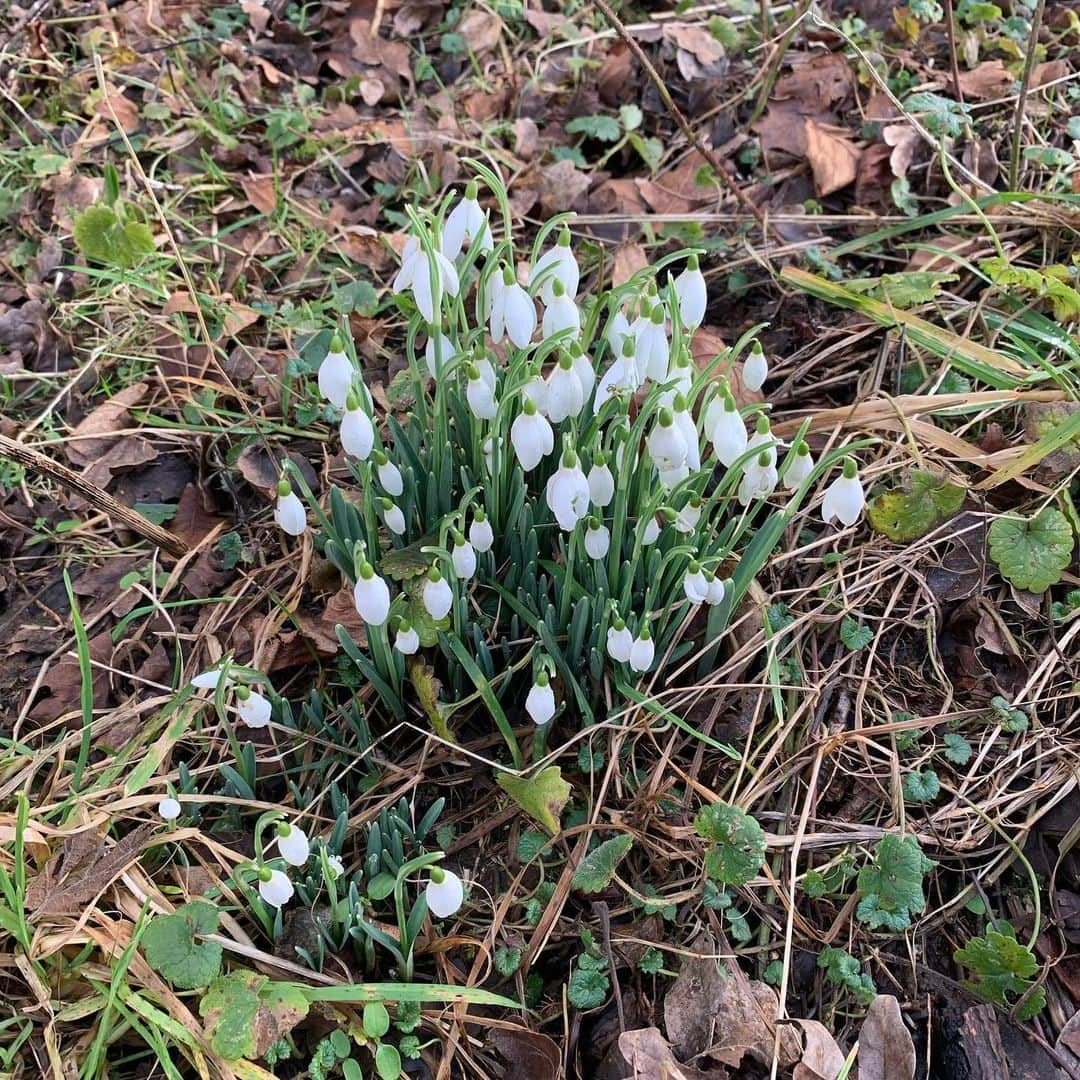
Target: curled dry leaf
97,432
648,1056
833,158
821,1058
886,1051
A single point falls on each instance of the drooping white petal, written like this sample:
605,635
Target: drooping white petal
481,399
446,349
335,378
561,314
667,447
801,466
844,499
290,514
727,431
395,519
601,485
755,370
585,373
652,349
463,556
254,710
651,532
597,542
540,703
557,263
407,641
642,653
687,518
696,586
758,482
718,589
390,478
620,377
481,535
619,643
169,809
445,898
685,423
357,434
410,260
693,297
278,891
372,598
567,495
294,846
208,680
532,439
564,397
535,390
463,224
519,311
438,598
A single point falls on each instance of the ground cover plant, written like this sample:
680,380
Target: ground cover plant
539,540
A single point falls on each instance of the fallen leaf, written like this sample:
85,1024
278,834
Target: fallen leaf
886,1051
97,432
903,139
526,138
690,1005
561,185
1047,72
821,1058
116,108
990,79
261,467
260,190
696,39
649,1056
833,158
529,1055
627,261
321,629
193,521
611,79
481,30
542,796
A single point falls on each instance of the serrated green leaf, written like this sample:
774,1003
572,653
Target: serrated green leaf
909,512
921,787
651,961
604,128
172,947
588,989
630,116
246,1013
842,969
892,883
1003,970
854,635
598,867
1031,553
103,237
738,843
530,844
507,961
542,796
957,749
1044,284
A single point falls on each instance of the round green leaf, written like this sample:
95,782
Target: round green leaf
1031,553
388,1062
739,843
376,1019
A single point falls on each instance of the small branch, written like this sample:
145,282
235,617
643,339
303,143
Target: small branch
684,125
94,495
954,63
1021,100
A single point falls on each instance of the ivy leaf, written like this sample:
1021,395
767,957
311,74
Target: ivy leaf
854,635
588,989
507,961
957,749
921,787
908,512
842,969
941,115
542,796
246,1013
104,238
173,949
598,867
1031,553
604,128
1003,970
892,883
739,843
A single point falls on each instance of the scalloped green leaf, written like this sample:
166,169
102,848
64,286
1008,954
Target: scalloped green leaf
892,883
1003,970
542,796
102,236
246,1013
172,945
738,850
1032,552
908,512
598,867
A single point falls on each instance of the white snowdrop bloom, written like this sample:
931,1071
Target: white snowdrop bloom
755,369
557,264
726,429
687,518
583,370
695,584
692,293
666,443
289,513
438,596
392,515
208,680
337,867
482,363
601,482
800,467
531,437
642,651
481,535
411,258
681,373
444,893
336,375
428,302
718,589
561,314
480,396
671,478
357,432
652,350
759,480
651,532
389,475
371,595
276,889
567,492
169,808
844,498
619,641
617,333
252,708
464,224
463,557
438,340
597,539
564,397
620,377
487,448
764,440
535,390
684,421
540,701
513,313
406,640
293,844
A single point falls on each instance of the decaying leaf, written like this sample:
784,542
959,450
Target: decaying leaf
833,158
542,796
821,1058
649,1057
97,432
886,1051
526,1053
908,512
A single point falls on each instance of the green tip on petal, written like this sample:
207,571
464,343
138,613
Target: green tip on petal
575,349
658,315
336,344
669,514
265,873
756,348
558,288
594,522
565,360
763,459
645,633
386,504
695,501
628,346
541,678
618,624
564,237
283,828
569,458
472,189
284,487
763,425
508,276
473,373
404,626
479,515
600,460
434,575
666,418
459,540
438,875
692,262
366,571
529,407
680,402
851,470
802,450
243,693
352,402
694,567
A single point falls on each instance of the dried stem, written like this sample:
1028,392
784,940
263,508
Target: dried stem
1021,100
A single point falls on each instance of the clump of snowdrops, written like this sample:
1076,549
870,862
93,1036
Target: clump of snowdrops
568,487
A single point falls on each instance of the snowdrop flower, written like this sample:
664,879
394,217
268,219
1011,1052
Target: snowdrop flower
446,281
844,497
687,518
480,395
513,313
763,439
438,596
718,589
618,332
371,595
666,443
681,373
561,314
437,340
275,887
692,293
601,482
336,374
463,556
389,475
622,376
357,431
567,492
564,397
557,264
642,651
726,429
597,539
583,369
169,808
464,224
652,350
252,708
208,680
535,390
755,369
800,467
444,893
684,421
337,867
293,843
411,257
651,532
759,479
540,701
406,640
531,437
392,515
481,535
289,512
487,448
695,584
619,641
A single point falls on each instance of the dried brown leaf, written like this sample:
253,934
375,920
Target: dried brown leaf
260,190
990,79
96,433
821,1058
886,1051
627,261
481,30
833,158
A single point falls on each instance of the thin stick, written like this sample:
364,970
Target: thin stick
94,495
684,125
1021,100
950,25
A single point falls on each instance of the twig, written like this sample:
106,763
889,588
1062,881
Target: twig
684,125
94,495
1021,100
950,26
